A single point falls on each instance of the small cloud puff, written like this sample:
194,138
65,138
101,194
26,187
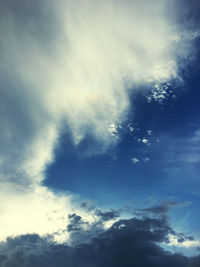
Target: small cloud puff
144,140
113,130
135,160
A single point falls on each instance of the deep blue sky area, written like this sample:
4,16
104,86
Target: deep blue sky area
164,166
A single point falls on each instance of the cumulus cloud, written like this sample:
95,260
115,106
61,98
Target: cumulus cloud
35,211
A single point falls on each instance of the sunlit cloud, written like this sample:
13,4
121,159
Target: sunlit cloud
186,243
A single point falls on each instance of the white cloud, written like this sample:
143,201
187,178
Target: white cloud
144,140
173,241
37,210
81,76
131,129
135,160
113,130
146,159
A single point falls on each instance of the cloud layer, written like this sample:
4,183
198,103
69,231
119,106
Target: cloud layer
133,242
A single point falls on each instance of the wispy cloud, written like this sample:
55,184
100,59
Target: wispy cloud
94,53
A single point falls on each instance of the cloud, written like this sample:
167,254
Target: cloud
126,243
184,242
35,211
164,207
135,160
39,210
70,66
66,64
75,222
107,215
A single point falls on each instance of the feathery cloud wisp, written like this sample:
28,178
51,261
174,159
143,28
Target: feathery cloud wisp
75,63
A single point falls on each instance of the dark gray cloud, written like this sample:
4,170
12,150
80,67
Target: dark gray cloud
102,215
184,238
88,206
75,222
132,242
107,215
163,208
154,208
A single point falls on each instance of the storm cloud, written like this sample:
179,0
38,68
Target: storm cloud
131,242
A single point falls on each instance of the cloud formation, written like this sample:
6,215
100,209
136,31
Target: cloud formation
133,242
74,64
163,208
71,66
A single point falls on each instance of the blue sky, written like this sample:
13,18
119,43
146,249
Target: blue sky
166,166
100,132
171,151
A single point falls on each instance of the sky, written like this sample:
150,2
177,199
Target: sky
100,133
